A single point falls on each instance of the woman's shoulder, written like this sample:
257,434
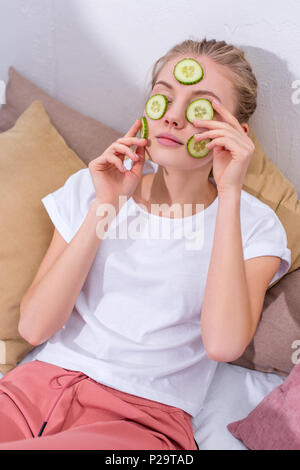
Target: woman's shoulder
252,204
256,213
80,177
79,189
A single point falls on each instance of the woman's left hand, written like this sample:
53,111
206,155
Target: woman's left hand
231,146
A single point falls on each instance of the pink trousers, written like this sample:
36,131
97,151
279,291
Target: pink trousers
72,411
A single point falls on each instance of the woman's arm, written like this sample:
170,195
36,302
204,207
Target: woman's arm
48,304
229,313
226,314
235,288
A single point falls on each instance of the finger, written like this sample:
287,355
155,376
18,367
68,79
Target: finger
227,116
141,152
124,150
213,134
137,166
140,162
211,124
132,141
134,129
114,161
228,143
117,162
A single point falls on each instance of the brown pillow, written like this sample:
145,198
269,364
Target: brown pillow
86,136
277,338
34,161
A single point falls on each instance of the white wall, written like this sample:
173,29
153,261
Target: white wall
96,56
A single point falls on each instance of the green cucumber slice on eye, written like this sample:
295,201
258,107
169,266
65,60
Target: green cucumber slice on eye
188,71
200,109
197,149
156,106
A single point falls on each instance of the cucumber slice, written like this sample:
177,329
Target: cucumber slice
144,128
156,106
188,71
200,109
197,149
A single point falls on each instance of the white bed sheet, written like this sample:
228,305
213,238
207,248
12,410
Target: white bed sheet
233,393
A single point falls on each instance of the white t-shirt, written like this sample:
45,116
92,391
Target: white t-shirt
136,322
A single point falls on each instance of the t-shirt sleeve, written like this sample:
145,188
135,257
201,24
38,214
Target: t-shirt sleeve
268,238
69,204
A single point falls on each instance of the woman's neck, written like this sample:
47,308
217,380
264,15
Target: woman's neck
164,187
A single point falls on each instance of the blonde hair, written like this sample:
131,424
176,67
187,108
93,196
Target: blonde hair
244,81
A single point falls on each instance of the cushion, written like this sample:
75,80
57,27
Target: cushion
275,422
277,336
34,161
86,136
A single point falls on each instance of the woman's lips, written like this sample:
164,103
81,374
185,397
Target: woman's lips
168,142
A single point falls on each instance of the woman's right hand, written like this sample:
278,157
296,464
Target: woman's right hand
110,178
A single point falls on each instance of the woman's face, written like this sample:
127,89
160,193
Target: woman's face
215,83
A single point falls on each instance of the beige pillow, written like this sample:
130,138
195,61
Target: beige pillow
86,136
34,161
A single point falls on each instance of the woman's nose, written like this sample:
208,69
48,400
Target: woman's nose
175,114
174,118
172,122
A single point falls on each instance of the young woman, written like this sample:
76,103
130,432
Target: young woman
134,324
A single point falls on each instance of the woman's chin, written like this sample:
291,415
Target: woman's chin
182,162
